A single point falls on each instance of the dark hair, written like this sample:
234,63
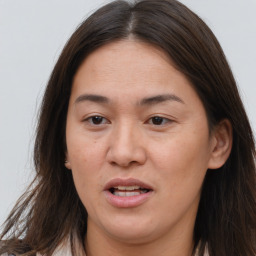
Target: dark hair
226,216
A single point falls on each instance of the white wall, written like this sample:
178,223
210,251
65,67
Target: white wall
32,34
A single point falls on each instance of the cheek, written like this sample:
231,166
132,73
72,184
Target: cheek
85,157
181,170
84,151
183,158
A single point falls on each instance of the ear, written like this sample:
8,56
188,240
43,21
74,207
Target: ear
222,144
67,163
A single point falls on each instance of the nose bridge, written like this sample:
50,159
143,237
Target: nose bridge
126,146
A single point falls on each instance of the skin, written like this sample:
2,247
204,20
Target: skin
172,155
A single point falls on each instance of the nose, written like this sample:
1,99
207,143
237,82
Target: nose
126,147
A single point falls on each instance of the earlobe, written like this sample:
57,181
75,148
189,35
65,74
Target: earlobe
67,163
222,137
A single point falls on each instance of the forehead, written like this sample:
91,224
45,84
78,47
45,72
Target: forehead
130,68
127,55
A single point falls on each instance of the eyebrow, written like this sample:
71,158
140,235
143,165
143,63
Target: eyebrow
161,98
145,101
92,97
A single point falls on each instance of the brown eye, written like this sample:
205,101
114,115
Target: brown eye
158,120
96,120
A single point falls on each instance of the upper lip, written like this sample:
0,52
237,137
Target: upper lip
126,182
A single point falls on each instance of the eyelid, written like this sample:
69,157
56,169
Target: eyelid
166,120
88,119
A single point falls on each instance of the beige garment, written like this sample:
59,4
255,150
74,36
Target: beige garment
61,251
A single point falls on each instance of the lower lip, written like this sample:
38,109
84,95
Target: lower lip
127,201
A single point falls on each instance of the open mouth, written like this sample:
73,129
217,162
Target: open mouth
126,191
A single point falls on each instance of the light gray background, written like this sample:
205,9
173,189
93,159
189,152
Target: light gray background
32,34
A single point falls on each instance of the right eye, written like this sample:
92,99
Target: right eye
96,120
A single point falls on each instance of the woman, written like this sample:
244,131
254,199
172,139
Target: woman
143,146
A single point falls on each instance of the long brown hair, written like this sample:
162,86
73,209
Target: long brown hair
51,211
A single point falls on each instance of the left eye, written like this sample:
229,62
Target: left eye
158,120
96,120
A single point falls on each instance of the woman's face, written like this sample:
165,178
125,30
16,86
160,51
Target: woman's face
138,144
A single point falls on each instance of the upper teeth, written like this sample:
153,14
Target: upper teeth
127,187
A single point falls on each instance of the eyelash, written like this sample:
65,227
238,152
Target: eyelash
163,120
90,120
158,119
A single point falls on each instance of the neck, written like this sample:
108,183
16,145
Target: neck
101,244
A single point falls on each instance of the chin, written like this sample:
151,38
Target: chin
132,231
134,237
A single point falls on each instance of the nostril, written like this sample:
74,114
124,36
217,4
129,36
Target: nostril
124,164
125,156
